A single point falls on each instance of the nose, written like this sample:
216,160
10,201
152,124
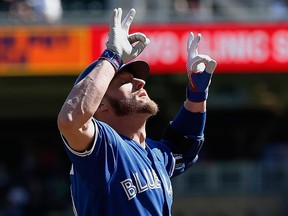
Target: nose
138,83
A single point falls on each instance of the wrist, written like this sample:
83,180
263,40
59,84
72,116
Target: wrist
113,57
196,96
195,107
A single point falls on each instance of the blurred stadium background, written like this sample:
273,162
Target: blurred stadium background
243,166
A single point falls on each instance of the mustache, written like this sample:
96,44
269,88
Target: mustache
124,107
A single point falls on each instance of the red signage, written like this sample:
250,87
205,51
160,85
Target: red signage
54,50
237,48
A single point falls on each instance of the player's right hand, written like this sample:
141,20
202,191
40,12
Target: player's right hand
127,46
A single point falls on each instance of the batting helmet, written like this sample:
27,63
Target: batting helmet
140,69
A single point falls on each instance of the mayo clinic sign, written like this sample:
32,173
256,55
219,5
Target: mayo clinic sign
67,50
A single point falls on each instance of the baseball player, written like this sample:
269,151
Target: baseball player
116,169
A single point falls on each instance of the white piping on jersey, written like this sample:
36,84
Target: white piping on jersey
72,170
85,153
74,207
173,167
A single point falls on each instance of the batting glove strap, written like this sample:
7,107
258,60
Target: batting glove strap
196,96
197,89
114,58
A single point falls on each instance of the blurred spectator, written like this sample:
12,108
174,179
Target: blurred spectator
195,9
279,9
140,5
155,9
21,9
186,6
49,11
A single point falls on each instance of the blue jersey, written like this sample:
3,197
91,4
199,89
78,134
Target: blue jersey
119,177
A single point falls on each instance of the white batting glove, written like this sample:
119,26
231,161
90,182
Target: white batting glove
199,70
127,46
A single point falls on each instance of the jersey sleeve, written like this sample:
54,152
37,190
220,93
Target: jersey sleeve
164,154
185,137
96,165
184,159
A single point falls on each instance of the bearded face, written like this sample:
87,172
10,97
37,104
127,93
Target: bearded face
127,106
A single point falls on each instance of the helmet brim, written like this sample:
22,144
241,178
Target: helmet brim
140,69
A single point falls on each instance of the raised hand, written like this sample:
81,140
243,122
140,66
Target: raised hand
127,46
199,70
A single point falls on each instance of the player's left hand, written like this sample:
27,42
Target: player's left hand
199,70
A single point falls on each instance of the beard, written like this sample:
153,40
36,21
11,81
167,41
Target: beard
125,107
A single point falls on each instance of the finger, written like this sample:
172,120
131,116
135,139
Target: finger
189,42
201,59
211,66
194,45
200,63
114,18
119,16
209,63
205,58
128,19
142,40
138,36
140,46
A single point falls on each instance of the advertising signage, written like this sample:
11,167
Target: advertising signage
43,50
237,48
60,50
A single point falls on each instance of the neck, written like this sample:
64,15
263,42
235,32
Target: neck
131,126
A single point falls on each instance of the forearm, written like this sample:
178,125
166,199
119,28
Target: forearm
86,95
195,106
